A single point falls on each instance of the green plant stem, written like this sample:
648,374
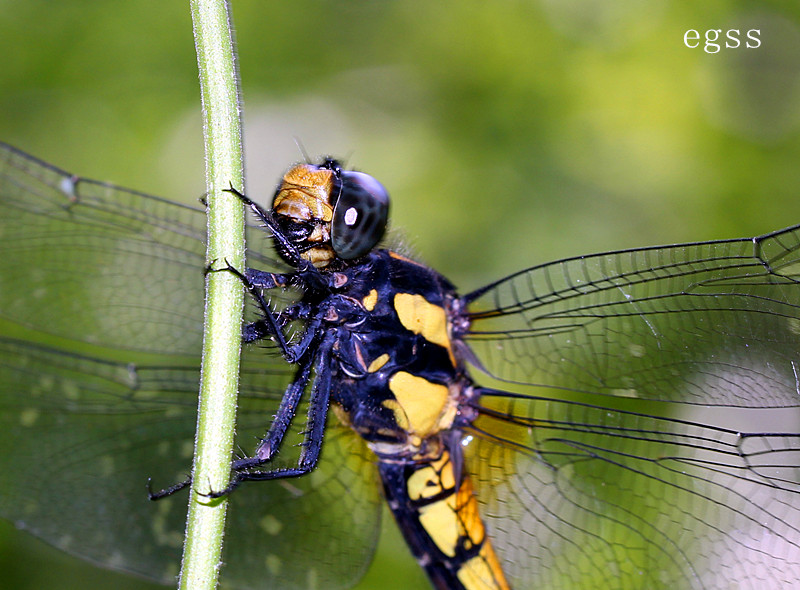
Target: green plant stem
224,295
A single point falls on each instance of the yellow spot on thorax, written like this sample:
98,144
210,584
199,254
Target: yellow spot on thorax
423,408
400,416
378,363
370,300
420,316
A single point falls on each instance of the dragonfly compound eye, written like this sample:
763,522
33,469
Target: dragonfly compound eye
360,215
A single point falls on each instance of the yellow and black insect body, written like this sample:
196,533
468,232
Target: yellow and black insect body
383,336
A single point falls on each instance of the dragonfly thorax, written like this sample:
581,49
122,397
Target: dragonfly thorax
396,378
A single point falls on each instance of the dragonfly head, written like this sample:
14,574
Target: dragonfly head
330,213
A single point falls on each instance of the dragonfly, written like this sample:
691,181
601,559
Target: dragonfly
628,419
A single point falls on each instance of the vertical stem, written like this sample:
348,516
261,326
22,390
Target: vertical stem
224,294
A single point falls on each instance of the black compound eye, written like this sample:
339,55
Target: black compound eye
360,214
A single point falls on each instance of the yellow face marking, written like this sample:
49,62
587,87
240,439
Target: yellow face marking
319,256
301,206
432,479
422,402
420,316
378,363
319,234
370,300
305,194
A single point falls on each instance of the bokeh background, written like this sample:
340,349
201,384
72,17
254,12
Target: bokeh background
508,133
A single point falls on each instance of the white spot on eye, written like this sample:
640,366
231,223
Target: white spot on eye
351,216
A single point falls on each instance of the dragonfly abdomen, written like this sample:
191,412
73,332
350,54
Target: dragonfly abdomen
436,509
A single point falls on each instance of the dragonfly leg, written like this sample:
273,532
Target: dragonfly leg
268,446
269,325
174,488
243,469
260,329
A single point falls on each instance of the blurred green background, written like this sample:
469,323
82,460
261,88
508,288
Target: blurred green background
508,133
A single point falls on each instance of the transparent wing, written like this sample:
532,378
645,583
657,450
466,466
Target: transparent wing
95,263
316,531
100,334
645,428
701,323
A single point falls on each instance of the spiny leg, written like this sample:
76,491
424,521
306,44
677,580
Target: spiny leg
269,444
312,434
270,326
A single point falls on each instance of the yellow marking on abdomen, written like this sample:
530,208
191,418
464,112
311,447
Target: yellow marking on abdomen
420,316
455,520
439,521
435,478
483,572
